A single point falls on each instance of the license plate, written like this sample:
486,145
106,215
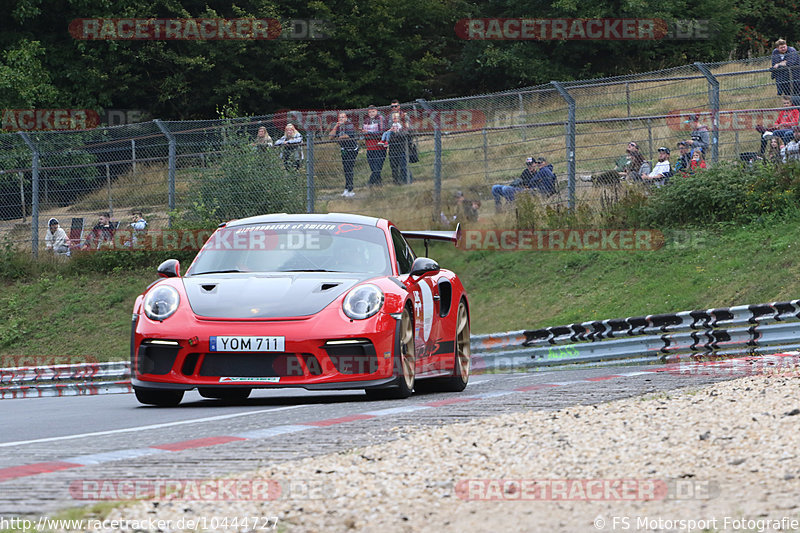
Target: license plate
245,344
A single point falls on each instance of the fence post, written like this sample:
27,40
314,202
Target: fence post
310,172
22,193
437,161
522,114
628,96
650,138
735,136
108,187
133,154
172,156
570,130
34,194
713,103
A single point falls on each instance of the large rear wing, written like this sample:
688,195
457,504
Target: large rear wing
435,235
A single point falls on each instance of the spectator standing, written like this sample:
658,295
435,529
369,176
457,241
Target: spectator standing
263,140
793,147
683,164
398,139
55,240
345,134
373,127
291,147
700,137
405,120
662,171
784,62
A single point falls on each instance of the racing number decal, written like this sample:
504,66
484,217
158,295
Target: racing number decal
427,309
423,311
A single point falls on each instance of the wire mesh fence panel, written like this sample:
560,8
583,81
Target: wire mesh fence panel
425,163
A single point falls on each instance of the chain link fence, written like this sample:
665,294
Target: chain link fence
437,167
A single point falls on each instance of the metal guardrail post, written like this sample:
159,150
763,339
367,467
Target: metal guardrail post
713,104
570,131
34,194
437,160
310,172
172,163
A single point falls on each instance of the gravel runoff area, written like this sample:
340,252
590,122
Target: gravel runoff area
723,457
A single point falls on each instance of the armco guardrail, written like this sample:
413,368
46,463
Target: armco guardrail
634,340
65,380
666,337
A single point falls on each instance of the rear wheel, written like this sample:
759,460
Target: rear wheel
160,397
230,395
405,360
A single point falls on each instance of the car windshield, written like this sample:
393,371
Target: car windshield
295,247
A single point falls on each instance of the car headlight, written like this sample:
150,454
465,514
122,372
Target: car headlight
363,301
161,302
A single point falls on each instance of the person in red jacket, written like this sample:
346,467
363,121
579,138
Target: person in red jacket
784,126
698,161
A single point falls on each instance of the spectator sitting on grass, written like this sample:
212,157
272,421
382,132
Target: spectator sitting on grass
700,138
682,165
138,227
610,177
662,171
538,175
776,153
793,147
55,240
783,127
102,233
698,161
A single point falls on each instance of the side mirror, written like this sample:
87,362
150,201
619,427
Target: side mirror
171,268
424,266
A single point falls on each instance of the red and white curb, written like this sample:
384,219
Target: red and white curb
700,368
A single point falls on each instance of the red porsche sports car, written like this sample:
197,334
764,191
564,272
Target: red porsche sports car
333,301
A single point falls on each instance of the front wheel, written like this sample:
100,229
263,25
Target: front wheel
159,397
405,360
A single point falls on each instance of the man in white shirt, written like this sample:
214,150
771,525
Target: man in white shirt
793,148
55,240
662,171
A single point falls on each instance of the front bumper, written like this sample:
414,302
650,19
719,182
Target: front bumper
320,353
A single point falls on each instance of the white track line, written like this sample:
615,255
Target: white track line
152,426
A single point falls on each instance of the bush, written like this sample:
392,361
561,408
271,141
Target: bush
725,193
246,181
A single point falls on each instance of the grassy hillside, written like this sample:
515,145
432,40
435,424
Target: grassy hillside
89,315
